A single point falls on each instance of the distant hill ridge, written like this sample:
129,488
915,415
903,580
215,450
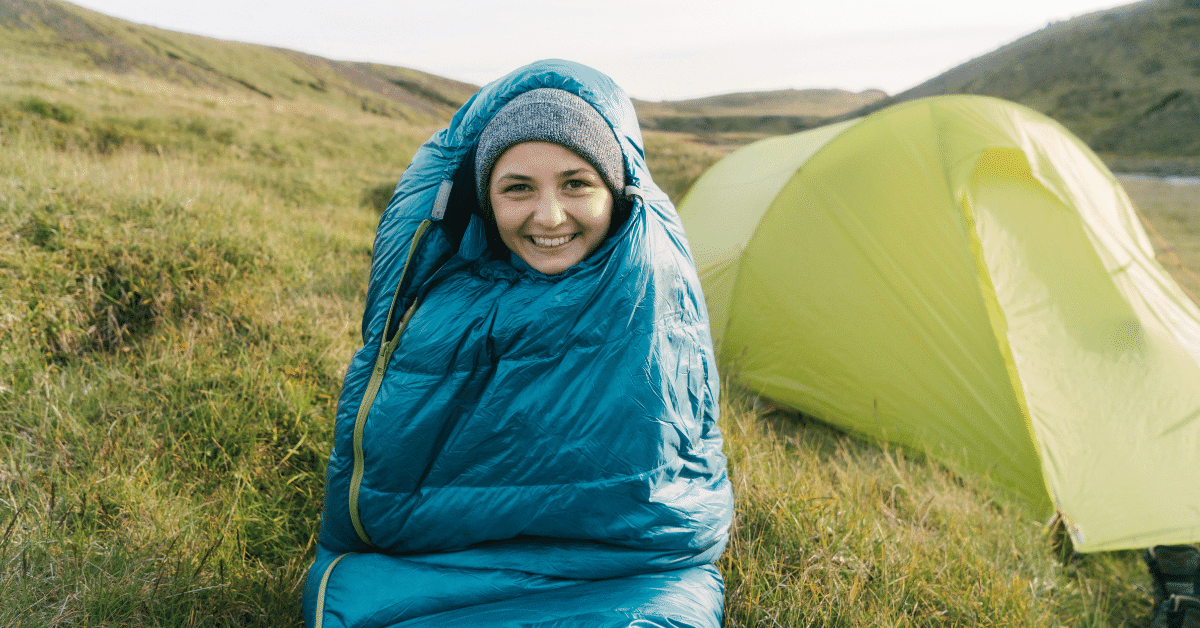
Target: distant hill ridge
803,102
774,112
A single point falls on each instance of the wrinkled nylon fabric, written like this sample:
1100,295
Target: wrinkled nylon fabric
962,275
541,451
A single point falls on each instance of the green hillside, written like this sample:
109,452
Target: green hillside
1126,80
34,31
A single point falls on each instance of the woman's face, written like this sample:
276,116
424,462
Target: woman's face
552,208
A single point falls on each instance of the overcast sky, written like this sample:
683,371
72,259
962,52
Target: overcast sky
655,49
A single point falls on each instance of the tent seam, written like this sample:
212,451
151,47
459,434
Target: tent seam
999,326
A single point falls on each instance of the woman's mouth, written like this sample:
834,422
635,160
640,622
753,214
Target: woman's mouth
549,243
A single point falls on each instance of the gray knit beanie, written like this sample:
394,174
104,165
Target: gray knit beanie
550,115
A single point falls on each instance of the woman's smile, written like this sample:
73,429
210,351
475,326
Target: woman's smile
549,242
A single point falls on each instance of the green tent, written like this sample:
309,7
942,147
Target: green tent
961,275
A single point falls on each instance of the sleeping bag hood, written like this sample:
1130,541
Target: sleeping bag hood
516,449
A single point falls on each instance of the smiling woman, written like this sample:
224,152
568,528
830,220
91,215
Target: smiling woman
528,435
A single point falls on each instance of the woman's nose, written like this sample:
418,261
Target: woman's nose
549,212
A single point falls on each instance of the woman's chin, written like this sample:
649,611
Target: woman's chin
553,261
555,265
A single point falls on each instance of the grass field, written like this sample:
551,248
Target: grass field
182,281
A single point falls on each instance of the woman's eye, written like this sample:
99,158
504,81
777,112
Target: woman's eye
576,184
515,188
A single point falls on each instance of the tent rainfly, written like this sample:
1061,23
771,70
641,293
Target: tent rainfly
961,275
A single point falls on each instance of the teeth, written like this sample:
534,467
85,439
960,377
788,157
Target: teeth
551,242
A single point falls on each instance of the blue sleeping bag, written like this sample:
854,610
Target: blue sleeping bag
516,449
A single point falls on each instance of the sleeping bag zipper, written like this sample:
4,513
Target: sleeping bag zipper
386,347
